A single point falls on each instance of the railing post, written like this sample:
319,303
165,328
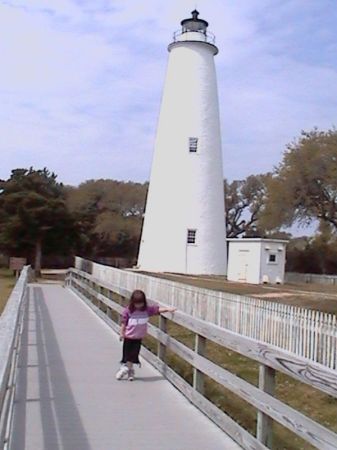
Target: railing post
198,377
68,279
264,423
101,292
119,300
161,352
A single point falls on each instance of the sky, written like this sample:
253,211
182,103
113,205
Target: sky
81,81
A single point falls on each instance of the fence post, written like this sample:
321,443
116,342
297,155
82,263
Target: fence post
198,377
265,423
161,351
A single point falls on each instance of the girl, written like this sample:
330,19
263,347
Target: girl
133,329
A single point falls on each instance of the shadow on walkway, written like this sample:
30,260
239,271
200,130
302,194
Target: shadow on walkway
59,416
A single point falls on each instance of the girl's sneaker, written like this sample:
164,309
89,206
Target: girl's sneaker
123,371
131,375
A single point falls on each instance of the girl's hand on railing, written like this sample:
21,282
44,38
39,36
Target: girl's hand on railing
170,309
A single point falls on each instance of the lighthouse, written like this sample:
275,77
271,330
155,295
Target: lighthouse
184,222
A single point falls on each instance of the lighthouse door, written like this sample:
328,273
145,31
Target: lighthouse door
243,265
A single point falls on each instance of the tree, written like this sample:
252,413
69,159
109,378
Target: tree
304,185
313,254
34,215
244,203
109,214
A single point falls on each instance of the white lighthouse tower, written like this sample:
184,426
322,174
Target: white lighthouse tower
184,223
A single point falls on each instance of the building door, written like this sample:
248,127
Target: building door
243,265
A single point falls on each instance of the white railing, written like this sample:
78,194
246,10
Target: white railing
11,322
307,333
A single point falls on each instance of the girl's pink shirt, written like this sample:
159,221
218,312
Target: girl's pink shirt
136,322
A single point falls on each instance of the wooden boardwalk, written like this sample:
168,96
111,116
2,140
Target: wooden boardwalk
67,396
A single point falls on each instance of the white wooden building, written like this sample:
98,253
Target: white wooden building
256,260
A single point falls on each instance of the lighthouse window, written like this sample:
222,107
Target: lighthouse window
191,236
193,144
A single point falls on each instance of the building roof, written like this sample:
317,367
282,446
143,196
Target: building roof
283,241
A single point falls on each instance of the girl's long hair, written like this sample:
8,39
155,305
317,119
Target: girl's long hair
137,296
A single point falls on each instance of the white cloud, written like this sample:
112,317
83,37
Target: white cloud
81,81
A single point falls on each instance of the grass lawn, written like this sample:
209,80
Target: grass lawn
7,282
314,296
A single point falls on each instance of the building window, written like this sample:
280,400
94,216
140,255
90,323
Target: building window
272,258
191,236
193,144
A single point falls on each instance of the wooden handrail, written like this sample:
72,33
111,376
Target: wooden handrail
306,371
10,330
305,332
261,397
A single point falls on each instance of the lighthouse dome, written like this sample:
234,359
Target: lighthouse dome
194,24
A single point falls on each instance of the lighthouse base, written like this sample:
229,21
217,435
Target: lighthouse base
168,272
186,269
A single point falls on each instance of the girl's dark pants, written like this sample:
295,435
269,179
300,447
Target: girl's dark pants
131,349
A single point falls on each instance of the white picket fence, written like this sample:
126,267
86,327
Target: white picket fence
312,278
307,333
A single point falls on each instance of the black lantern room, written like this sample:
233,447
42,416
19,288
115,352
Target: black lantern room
194,24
